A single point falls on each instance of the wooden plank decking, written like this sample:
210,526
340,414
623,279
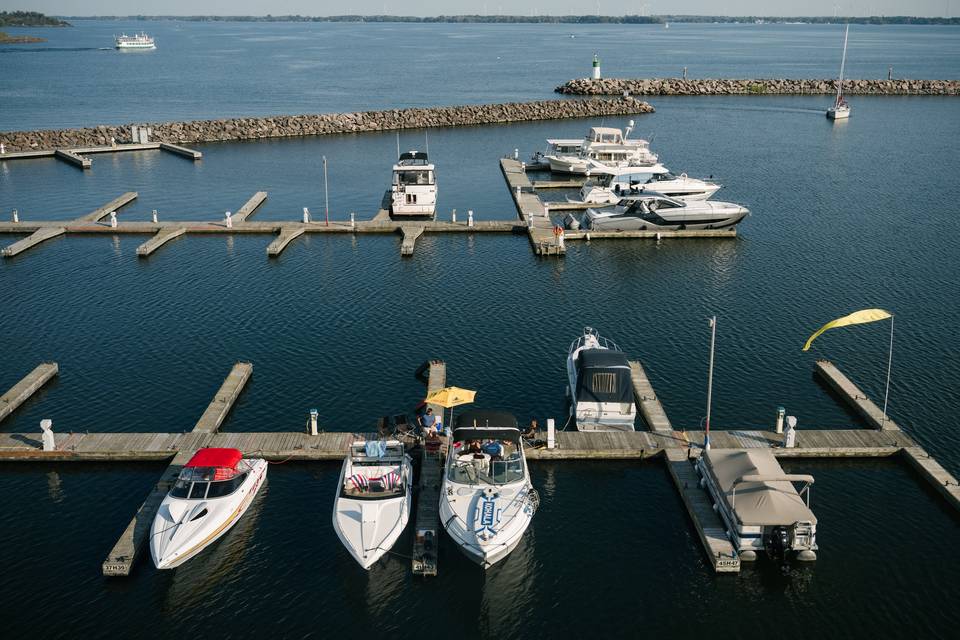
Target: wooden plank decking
30,384
646,399
853,396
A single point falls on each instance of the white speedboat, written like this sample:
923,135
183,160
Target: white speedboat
414,189
212,493
840,109
601,388
372,506
608,146
486,500
555,147
650,211
137,41
613,184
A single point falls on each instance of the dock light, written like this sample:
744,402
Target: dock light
353,220
313,421
551,433
453,215
470,218
781,412
596,67
113,219
228,219
306,216
153,216
713,340
16,216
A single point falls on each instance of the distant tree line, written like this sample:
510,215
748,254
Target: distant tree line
587,19
29,19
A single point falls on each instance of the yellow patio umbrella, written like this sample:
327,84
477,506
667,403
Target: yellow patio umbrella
450,397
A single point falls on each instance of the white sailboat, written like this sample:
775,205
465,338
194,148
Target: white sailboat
840,109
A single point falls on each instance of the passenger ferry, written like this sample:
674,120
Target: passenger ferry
138,41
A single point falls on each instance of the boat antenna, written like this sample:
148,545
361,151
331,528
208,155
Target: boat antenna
713,339
326,193
426,139
398,144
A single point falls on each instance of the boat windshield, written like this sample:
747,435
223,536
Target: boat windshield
413,177
197,487
493,462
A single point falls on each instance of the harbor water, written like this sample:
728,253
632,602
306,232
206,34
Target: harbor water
845,215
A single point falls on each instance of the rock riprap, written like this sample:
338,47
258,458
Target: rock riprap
775,86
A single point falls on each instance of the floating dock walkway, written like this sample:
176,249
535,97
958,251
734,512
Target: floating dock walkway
31,383
76,156
678,447
427,526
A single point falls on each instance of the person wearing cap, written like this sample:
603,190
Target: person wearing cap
428,422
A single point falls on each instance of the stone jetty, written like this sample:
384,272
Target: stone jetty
774,86
327,123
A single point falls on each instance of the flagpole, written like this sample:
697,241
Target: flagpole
713,338
886,391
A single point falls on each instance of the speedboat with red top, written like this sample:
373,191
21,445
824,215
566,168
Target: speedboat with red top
213,491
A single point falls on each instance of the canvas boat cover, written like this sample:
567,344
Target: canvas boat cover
766,503
603,375
478,424
215,457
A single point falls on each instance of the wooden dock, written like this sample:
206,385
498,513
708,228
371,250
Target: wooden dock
162,237
288,233
250,206
853,396
410,235
646,399
30,384
124,553
75,156
427,526
540,228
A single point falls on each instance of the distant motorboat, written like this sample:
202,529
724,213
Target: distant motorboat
608,146
840,109
651,211
137,41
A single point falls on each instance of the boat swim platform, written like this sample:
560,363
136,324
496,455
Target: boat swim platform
677,446
75,156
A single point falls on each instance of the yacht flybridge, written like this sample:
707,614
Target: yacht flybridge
601,388
608,146
414,189
486,499
613,184
213,491
372,506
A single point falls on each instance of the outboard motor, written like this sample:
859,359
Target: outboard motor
778,543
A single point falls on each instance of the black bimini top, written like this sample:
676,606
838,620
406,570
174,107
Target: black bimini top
413,157
479,424
603,375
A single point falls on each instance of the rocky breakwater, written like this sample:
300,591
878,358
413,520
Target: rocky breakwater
778,86
328,123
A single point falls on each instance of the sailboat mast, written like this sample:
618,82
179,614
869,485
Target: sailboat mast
843,61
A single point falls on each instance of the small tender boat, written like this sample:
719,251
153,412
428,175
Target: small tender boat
840,109
137,41
213,491
605,145
601,389
613,184
650,211
760,507
414,189
372,506
486,500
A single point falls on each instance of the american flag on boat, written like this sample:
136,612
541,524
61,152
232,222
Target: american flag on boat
359,481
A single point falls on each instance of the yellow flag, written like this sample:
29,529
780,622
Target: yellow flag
857,317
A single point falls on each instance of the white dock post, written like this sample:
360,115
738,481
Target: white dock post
790,436
781,412
546,210
49,442
113,141
561,243
353,220
470,218
551,433
453,215
228,220
313,421
3,149
516,154
306,216
153,216
16,216
518,193
113,219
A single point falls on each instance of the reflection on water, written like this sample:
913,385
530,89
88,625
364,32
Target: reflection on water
54,488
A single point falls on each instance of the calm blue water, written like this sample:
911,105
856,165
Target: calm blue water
209,70
845,216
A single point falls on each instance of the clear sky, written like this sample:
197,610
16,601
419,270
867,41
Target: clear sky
515,7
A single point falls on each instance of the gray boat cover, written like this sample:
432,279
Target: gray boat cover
758,503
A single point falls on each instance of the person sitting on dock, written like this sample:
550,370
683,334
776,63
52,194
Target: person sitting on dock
531,432
428,422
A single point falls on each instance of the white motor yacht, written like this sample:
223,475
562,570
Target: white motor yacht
601,389
555,147
137,41
213,491
650,211
373,500
840,109
414,189
486,499
613,184
608,146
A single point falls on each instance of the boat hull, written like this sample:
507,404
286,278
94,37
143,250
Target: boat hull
838,114
463,509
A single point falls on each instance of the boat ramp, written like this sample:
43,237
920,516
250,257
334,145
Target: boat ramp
659,439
